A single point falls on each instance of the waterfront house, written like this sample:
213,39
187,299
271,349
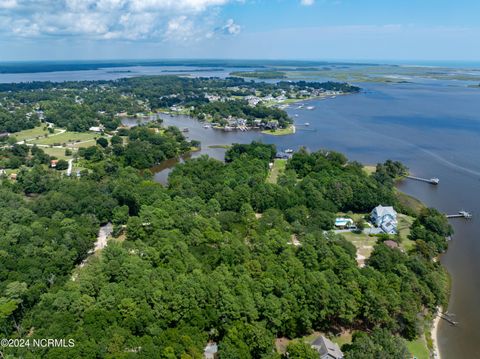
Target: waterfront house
211,351
385,218
326,348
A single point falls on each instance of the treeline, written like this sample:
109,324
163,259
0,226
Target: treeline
16,120
209,257
22,155
140,147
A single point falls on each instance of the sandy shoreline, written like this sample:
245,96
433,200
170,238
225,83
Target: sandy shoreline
434,334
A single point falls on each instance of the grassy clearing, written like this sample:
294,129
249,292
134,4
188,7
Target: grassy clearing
290,130
67,138
56,152
39,131
220,146
404,224
369,169
410,202
363,242
278,167
418,348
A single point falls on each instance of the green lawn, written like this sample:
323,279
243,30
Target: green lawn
67,138
410,202
404,224
56,152
281,132
220,146
32,133
278,167
363,242
418,348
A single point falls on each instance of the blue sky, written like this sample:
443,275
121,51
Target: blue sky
259,29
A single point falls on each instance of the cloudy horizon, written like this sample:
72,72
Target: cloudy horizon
237,29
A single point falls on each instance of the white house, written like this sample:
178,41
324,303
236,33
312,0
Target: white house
385,218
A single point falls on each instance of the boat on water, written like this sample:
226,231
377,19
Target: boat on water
310,107
333,96
307,123
206,126
288,150
185,130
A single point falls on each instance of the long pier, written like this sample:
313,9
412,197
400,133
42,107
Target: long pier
433,180
461,214
448,318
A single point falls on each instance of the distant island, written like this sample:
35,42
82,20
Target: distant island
260,74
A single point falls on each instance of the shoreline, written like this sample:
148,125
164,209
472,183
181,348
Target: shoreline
434,335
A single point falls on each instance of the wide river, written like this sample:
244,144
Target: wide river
431,126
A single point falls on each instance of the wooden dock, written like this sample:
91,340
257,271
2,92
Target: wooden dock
433,180
461,214
448,318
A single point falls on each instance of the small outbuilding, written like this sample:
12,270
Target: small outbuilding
343,222
211,351
326,348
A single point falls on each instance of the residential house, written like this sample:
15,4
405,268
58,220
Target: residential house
211,351
385,218
326,348
53,163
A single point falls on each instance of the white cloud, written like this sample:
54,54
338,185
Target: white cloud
230,28
114,19
307,2
8,4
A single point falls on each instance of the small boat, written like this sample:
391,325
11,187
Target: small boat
185,130
310,107
288,150
307,123
333,96
206,125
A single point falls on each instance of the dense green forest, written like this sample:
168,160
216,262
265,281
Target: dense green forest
80,105
209,257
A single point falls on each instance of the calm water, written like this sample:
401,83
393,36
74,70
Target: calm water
117,73
434,128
